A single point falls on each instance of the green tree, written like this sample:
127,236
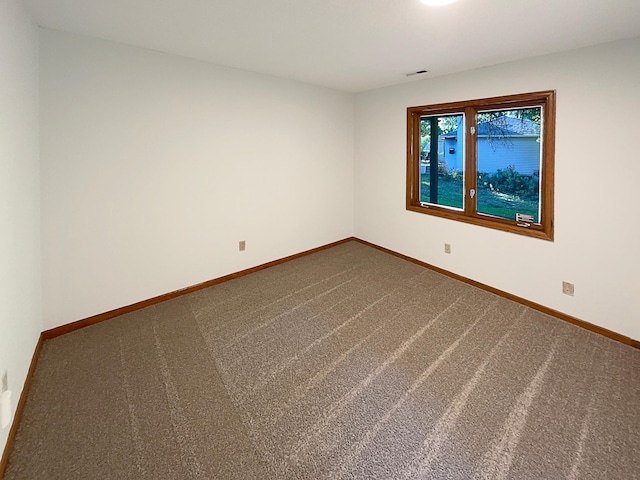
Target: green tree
446,124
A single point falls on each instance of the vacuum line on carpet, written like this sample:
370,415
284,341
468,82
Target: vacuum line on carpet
584,430
352,456
272,373
133,419
497,461
440,432
584,433
323,423
280,299
262,325
303,389
189,458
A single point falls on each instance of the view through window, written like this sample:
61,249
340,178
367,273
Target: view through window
488,162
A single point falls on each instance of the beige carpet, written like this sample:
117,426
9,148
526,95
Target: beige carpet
348,363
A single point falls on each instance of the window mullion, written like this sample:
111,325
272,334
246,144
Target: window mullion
470,163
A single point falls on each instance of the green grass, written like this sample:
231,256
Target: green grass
450,194
449,191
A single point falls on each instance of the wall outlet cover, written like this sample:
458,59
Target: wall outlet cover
567,288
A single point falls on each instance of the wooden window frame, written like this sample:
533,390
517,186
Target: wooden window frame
546,99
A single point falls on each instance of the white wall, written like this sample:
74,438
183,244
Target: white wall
155,166
596,188
20,312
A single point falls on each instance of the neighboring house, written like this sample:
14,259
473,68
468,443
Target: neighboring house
424,156
502,142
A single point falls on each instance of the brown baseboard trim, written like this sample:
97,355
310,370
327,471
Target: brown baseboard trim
70,327
536,306
16,419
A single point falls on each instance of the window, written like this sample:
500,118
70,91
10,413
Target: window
488,162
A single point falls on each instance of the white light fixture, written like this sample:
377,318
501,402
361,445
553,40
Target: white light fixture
437,3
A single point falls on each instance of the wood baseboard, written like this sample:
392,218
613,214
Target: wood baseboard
536,306
19,408
70,327
101,317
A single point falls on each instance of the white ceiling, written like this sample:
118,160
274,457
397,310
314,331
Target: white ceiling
351,45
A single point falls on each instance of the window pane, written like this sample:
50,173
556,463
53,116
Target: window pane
442,160
509,161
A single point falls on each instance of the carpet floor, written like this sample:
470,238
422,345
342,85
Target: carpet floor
348,363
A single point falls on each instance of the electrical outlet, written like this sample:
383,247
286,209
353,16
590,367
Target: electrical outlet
242,245
5,382
447,248
567,288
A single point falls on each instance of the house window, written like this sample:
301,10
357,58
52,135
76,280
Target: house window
488,162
